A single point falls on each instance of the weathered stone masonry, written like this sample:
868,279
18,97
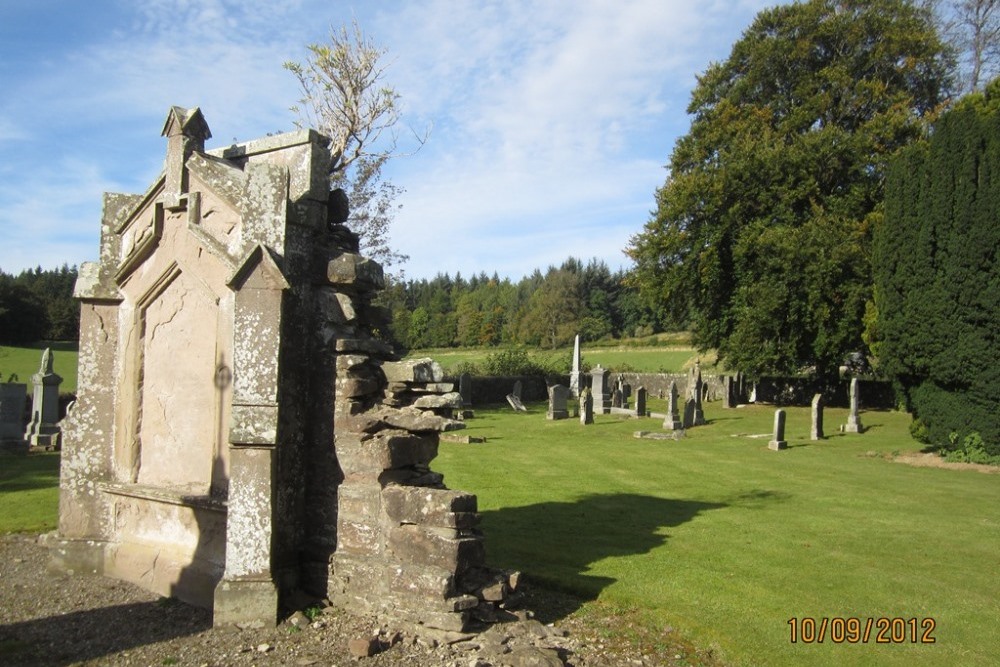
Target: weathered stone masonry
240,435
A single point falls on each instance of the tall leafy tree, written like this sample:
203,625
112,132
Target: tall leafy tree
761,235
344,96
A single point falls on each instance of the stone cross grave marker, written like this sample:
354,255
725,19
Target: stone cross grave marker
778,437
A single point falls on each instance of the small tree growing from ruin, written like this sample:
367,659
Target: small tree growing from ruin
345,97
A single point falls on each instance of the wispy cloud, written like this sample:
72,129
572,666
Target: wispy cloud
551,120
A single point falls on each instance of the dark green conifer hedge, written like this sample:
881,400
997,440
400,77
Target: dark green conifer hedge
937,275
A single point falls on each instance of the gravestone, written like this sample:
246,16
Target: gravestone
690,406
557,402
816,430
853,416
699,413
43,428
576,375
626,390
516,403
778,437
728,392
516,392
13,397
599,389
616,397
586,407
240,432
465,389
640,402
673,419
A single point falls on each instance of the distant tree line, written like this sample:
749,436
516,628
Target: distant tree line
542,309
38,305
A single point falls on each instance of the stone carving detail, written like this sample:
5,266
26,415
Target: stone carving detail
240,433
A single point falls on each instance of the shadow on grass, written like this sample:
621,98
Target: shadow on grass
26,473
555,543
123,627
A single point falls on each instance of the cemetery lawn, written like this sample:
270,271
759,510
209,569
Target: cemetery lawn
29,492
674,359
725,540
24,362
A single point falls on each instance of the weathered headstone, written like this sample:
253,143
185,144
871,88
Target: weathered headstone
673,419
728,392
13,396
516,392
576,375
616,397
43,429
853,416
816,430
778,437
465,389
599,389
699,413
626,389
516,403
640,402
690,406
557,402
586,407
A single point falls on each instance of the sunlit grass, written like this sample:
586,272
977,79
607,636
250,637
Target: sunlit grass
727,540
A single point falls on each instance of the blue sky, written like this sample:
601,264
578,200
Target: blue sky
551,120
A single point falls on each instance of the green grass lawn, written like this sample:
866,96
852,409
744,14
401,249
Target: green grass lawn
24,361
29,492
615,358
726,540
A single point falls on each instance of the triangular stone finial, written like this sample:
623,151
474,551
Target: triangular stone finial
189,122
186,132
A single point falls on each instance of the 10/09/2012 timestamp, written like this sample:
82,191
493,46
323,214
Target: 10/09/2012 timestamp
855,630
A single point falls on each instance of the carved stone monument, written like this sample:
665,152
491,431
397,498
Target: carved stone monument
853,416
586,407
778,437
640,402
576,375
673,421
239,433
43,428
557,402
816,429
13,397
599,390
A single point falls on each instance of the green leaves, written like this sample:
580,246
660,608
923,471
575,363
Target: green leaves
762,230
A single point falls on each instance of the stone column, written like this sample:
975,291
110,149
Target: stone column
816,432
576,376
778,438
853,418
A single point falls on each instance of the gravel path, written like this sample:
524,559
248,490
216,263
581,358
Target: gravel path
57,619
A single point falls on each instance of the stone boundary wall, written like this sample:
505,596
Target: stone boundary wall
777,390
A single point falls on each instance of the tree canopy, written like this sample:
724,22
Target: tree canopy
761,235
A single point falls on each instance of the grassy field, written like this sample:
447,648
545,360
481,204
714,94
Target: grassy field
725,540
29,492
24,362
673,359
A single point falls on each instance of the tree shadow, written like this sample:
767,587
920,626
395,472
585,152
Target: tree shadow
555,543
30,642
